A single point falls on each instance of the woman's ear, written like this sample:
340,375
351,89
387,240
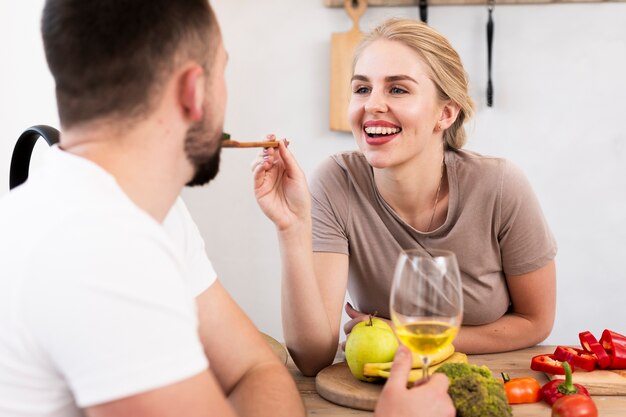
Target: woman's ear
192,90
449,113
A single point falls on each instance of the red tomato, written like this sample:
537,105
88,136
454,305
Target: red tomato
574,406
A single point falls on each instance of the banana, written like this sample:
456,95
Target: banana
442,355
416,374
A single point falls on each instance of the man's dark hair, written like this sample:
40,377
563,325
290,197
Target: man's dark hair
110,58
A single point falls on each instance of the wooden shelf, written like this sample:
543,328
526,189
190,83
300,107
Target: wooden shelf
339,3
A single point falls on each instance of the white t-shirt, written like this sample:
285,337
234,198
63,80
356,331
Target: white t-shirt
96,297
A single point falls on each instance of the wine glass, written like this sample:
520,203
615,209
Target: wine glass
426,301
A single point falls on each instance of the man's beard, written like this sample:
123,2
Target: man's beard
205,160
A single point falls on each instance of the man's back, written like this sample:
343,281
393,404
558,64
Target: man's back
93,304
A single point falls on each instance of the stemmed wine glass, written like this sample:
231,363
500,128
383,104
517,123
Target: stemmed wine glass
426,301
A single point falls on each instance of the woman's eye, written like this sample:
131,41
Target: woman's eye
397,90
361,90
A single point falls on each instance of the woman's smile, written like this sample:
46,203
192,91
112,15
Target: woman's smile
379,132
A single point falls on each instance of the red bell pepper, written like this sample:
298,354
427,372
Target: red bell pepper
557,388
615,345
548,364
574,406
590,344
577,358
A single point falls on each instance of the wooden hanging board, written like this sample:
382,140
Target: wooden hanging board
342,46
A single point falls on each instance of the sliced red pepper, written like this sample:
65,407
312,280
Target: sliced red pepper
590,344
548,364
577,358
615,344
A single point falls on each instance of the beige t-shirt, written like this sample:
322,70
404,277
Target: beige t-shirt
494,225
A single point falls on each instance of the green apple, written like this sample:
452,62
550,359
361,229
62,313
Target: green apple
371,341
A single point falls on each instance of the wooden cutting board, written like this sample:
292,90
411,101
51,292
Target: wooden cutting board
600,382
278,349
342,46
337,385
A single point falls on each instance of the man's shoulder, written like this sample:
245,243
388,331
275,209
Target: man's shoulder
86,235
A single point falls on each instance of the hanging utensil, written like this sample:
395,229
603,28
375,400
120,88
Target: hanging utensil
341,53
424,11
490,6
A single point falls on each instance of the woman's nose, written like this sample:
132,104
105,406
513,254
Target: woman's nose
375,104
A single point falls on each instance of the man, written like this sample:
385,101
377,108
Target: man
97,314
108,304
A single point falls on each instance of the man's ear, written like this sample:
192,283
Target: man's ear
192,92
449,113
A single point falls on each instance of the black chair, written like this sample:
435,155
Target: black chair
20,161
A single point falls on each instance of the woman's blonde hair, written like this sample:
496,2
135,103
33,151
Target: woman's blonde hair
447,71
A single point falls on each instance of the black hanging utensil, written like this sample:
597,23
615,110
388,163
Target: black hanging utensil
424,11
491,4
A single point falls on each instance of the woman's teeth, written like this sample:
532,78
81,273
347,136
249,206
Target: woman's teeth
379,130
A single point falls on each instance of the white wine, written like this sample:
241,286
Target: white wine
426,337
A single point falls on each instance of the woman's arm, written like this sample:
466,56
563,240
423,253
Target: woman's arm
313,285
533,298
312,298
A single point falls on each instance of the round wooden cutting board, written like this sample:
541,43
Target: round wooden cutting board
278,349
336,384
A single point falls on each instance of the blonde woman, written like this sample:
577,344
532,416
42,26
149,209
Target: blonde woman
410,184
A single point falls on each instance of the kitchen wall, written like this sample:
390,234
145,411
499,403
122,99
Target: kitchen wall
559,110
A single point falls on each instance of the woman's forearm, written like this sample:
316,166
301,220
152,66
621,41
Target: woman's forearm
533,297
309,336
510,332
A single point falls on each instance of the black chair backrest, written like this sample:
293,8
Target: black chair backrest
20,161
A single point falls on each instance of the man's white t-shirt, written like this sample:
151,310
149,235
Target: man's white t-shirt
96,297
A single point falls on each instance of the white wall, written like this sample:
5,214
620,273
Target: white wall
559,111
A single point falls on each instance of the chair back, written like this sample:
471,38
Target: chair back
20,161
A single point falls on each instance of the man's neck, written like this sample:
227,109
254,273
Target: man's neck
148,164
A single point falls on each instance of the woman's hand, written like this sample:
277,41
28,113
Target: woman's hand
356,317
429,399
280,186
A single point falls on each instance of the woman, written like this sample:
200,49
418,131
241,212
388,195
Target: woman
409,185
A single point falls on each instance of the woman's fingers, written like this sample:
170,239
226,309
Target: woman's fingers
292,168
265,159
352,312
356,317
347,328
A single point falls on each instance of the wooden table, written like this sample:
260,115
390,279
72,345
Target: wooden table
516,363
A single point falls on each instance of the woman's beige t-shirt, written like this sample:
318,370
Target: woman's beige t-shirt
494,225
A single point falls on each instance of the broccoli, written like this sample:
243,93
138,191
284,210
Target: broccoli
474,391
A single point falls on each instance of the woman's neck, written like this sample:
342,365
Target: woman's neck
417,190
